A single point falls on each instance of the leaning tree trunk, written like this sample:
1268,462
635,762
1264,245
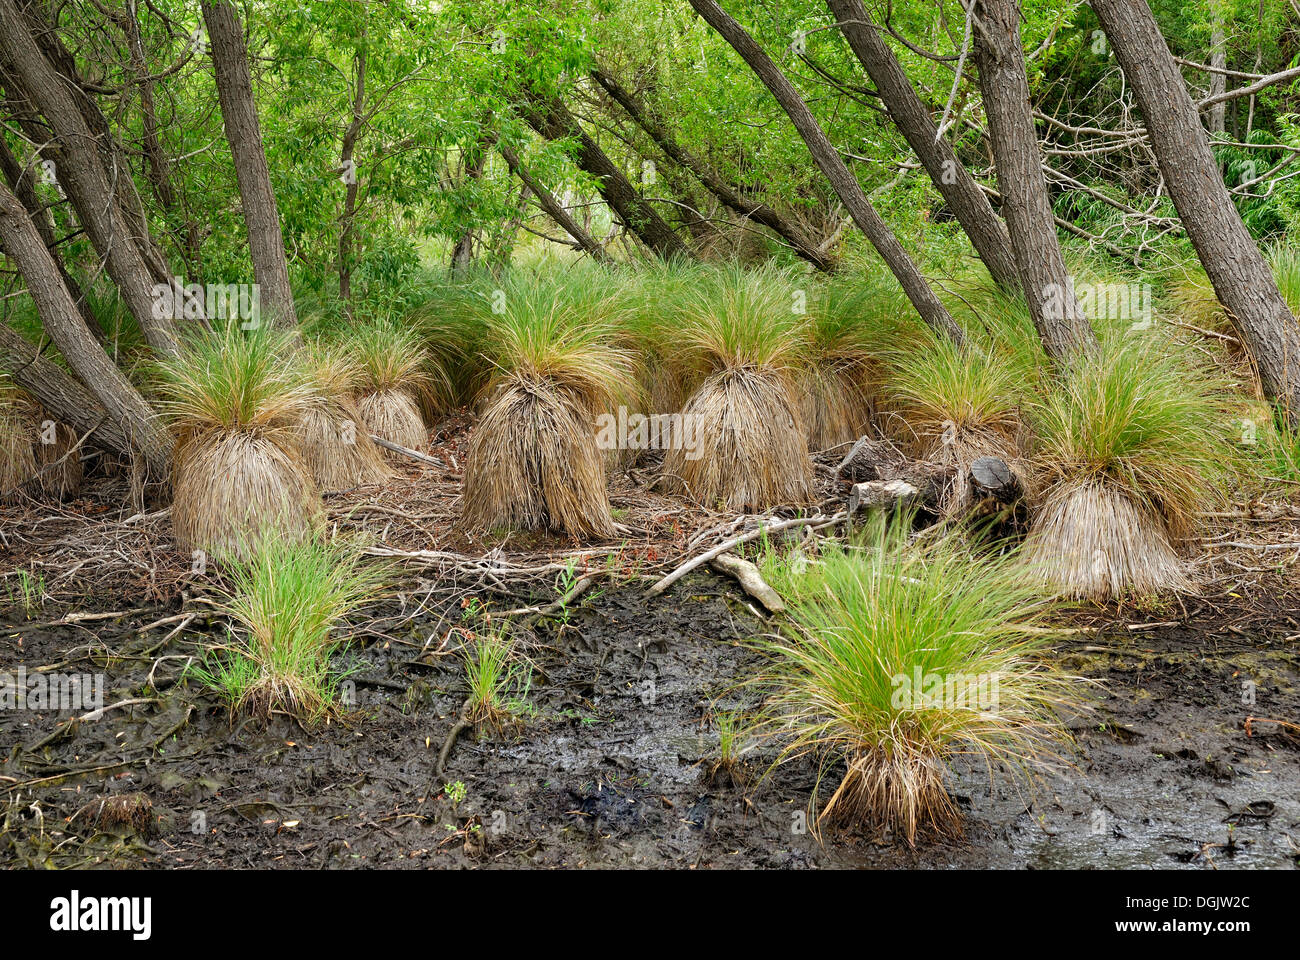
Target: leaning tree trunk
846,186
1241,277
959,190
22,182
122,404
1060,322
552,119
81,174
239,114
554,209
727,194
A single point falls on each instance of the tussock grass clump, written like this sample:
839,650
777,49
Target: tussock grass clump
395,373
1192,296
903,656
499,678
336,444
19,436
739,335
533,462
288,599
1130,446
852,325
58,462
236,400
957,406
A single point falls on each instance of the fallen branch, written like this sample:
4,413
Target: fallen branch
749,578
816,522
580,587
462,724
407,451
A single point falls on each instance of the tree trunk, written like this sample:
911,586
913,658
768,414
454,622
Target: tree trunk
475,164
712,180
1242,280
554,209
828,160
239,114
1046,284
350,135
21,181
159,170
959,190
82,176
123,404
550,118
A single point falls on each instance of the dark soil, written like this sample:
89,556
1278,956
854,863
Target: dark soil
612,767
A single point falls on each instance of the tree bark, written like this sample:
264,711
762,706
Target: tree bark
959,190
552,119
828,160
554,209
82,176
21,182
707,175
350,135
475,165
1242,280
124,406
239,114
1218,81
1060,322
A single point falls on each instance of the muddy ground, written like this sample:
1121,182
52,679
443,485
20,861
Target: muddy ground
611,768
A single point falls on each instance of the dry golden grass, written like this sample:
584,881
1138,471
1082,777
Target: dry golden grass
752,451
533,463
835,402
58,464
19,434
230,490
337,449
1091,540
394,414
900,790
335,442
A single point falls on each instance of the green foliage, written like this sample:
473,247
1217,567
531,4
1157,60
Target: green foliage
1145,416
868,624
288,600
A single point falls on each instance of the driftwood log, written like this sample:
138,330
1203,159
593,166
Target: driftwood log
747,575
882,476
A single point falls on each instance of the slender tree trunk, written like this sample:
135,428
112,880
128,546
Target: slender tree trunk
707,175
350,179
554,209
1242,280
475,163
81,175
159,170
1046,283
22,183
239,113
62,322
828,160
550,118
959,190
